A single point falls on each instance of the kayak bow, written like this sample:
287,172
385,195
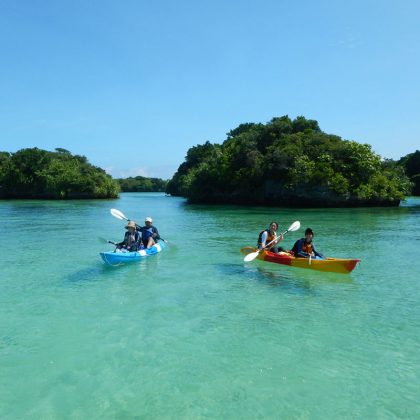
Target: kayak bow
332,265
118,257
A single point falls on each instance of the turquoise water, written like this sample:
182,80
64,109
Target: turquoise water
194,332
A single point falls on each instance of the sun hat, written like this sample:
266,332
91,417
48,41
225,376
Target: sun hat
131,224
148,219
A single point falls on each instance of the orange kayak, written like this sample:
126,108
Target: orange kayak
332,265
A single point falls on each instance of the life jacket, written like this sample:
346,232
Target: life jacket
270,237
131,241
305,247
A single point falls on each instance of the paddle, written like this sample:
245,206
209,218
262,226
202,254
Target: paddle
251,257
106,241
120,215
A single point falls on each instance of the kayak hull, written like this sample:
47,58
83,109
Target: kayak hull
330,265
118,258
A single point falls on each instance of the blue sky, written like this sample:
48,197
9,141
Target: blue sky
133,84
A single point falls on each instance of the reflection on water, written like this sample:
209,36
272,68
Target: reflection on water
90,274
290,279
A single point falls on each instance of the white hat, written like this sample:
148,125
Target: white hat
148,219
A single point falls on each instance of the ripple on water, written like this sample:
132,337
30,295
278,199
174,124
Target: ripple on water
194,331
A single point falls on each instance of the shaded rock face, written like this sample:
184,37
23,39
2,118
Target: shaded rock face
416,188
276,194
319,196
46,196
291,201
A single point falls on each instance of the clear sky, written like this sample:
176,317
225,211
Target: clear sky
133,84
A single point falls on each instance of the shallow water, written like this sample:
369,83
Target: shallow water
194,332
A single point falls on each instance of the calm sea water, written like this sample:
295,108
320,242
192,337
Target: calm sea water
195,332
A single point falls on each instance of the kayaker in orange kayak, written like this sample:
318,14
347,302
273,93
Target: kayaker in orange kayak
270,235
305,248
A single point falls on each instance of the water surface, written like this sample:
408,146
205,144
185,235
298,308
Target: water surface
194,332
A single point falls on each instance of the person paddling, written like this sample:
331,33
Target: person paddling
305,248
149,233
268,237
132,240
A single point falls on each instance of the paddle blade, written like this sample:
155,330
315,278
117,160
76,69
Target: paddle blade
251,256
294,226
118,214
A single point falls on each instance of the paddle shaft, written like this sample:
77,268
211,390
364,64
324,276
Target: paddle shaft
118,214
251,257
274,240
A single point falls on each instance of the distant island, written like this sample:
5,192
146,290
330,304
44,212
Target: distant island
289,163
41,174
37,173
142,184
282,163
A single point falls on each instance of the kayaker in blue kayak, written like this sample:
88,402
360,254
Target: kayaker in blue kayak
269,237
132,239
149,233
304,247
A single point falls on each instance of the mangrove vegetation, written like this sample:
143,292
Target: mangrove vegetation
142,184
411,164
288,162
36,173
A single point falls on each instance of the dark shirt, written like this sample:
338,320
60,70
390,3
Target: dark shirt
147,232
134,246
298,251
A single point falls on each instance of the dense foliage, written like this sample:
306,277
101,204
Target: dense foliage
287,162
411,164
142,184
36,173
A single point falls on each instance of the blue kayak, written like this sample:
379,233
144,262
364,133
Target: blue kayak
119,257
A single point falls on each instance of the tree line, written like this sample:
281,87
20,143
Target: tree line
288,162
283,162
411,164
36,173
142,184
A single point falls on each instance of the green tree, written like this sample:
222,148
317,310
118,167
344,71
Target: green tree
411,164
36,173
287,162
142,184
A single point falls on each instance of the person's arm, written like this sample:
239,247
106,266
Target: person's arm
263,239
316,252
155,234
122,243
279,238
